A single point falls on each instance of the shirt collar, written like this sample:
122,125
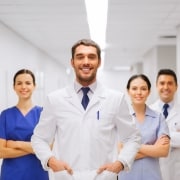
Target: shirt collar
161,104
78,86
148,111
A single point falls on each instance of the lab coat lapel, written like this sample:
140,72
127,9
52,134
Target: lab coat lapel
73,98
172,113
98,96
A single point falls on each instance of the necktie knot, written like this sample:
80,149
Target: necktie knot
165,112
85,99
85,90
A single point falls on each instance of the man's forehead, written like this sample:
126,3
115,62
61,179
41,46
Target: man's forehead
90,50
166,78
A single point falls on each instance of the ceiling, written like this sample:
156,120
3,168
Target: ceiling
133,26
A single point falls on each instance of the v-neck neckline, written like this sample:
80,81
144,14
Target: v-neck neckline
24,115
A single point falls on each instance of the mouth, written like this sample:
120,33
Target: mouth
165,93
138,98
86,70
23,92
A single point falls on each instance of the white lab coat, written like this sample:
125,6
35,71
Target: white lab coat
170,166
86,139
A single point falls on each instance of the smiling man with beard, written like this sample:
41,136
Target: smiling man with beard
85,138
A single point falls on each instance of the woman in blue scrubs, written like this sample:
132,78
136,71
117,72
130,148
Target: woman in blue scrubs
16,128
154,131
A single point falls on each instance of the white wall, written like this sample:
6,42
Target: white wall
178,60
166,55
150,69
17,53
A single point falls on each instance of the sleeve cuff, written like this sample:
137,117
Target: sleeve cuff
125,165
45,164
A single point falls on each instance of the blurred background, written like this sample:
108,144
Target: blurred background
136,36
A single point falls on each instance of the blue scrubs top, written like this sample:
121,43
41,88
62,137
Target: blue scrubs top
151,129
15,126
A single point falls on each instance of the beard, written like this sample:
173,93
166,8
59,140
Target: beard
86,79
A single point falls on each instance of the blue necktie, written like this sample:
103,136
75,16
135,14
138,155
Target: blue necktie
165,112
85,99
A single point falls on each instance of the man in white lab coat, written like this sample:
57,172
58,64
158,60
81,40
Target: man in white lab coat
167,85
85,139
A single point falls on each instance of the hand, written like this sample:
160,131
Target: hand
162,140
58,165
115,167
139,156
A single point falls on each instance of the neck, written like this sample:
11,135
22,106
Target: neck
24,104
139,111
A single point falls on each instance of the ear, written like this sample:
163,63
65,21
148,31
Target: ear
176,87
99,63
72,62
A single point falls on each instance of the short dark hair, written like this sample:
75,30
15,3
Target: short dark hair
24,71
142,76
167,72
86,42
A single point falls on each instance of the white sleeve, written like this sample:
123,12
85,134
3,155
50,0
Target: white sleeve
43,135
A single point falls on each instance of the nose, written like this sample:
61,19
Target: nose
138,91
166,86
23,85
86,60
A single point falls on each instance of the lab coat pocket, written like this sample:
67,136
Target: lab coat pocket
106,175
64,175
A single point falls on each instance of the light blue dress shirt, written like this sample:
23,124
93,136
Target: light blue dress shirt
151,129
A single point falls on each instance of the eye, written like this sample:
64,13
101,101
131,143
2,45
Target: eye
18,83
162,83
28,83
134,88
144,88
79,57
92,56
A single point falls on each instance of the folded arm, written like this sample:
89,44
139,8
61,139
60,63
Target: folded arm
9,152
159,149
21,145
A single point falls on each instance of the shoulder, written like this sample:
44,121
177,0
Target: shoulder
114,93
176,107
156,106
38,108
58,92
8,113
106,91
151,112
155,103
8,110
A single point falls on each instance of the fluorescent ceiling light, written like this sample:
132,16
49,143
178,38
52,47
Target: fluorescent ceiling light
97,20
